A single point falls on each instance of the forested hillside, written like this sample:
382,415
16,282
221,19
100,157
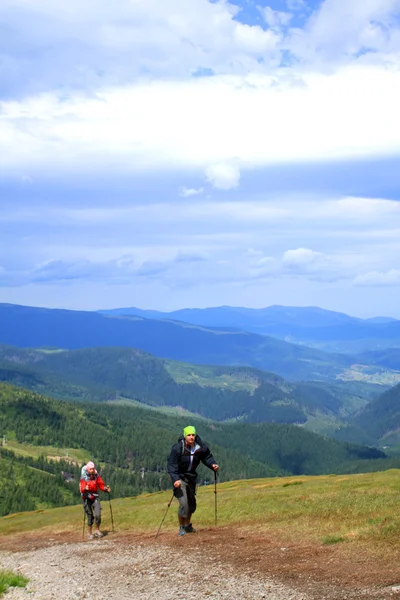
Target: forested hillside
28,483
380,419
388,357
219,393
132,446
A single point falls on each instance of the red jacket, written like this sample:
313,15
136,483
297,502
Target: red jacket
95,483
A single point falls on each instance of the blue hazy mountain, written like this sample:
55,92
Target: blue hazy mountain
30,327
312,326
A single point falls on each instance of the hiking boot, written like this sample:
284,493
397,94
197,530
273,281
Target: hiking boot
98,534
190,529
90,536
182,530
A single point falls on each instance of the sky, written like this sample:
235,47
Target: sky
190,153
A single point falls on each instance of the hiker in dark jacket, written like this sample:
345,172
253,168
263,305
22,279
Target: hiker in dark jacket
184,458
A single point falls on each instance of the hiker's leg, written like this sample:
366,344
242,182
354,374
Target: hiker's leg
97,513
88,507
191,496
183,510
191,493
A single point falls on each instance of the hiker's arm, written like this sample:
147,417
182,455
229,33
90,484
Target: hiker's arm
173,466
209,460
102,485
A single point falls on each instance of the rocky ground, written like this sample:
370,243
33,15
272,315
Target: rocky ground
213,563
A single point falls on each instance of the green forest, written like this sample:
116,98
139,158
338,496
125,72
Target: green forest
130,445
217,393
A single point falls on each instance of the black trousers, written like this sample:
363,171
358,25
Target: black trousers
186,495
93,510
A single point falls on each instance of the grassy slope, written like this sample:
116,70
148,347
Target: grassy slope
74,455
350,509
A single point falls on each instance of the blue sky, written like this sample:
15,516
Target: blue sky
172,154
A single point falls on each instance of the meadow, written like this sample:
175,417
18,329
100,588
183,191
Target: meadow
331,509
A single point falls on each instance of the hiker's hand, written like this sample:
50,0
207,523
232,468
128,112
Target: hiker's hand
87,487
107,489
215,467
177,483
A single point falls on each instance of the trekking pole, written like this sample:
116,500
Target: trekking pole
215,496
111,512
83,527
169,504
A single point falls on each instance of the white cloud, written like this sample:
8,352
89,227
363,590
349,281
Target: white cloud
255,121
301,257
375,278
341,29
179,91
223,176
96,44
307,264
275,18
187,192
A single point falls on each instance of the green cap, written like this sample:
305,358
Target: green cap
188,430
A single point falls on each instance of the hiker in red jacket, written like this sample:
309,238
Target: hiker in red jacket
90,484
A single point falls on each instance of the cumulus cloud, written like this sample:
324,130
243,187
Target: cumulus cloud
223,176
150,91
307,264
254,121
340,30
77,108
275,18
95,44
300,258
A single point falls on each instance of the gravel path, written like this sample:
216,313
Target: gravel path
107,569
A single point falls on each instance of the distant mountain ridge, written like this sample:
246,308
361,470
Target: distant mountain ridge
312,326
30,327
218,393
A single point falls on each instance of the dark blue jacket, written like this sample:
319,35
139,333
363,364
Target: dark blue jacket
182,463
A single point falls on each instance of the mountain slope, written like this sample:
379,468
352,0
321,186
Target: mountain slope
35,327
380,419
388,358
219,393
134,439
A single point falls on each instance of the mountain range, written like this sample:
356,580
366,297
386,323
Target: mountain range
222,373
30,327
123,375
312,326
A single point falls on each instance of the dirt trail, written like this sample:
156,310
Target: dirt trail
223,563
